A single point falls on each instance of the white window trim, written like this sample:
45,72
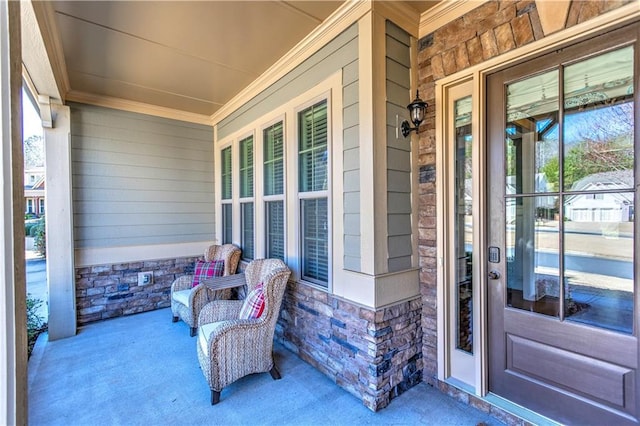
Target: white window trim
330,89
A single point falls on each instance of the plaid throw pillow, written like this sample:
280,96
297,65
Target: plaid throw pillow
253,305
206,270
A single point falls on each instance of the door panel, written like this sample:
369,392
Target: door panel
563,369
561,196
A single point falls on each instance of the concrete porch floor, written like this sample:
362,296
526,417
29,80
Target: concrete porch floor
143,370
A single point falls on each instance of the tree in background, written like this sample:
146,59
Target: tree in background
41,237
602,143
34,151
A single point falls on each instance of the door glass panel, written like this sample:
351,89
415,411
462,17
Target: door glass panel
598,132
598,260
464,225
598,167
589,245
532,251
532,134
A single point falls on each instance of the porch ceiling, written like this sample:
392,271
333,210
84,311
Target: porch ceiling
189,56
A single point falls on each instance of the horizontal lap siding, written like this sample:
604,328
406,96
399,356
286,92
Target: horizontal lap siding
398,88
139,179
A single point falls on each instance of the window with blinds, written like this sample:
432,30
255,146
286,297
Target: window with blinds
246,236
226,194
312,134
273,140
245,171
314,218
315,255
246,167
274,211
227,220
225,172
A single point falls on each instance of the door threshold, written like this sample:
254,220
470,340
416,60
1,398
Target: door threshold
520,411
505,405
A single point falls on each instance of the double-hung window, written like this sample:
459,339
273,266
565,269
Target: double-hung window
313,193
246,198
226,195
275,177
273,154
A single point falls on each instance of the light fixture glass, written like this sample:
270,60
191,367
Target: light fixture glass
417,110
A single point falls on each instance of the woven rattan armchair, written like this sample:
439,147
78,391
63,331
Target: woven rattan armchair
187,301
230,348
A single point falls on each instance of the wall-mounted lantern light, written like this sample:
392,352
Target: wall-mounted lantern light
417,108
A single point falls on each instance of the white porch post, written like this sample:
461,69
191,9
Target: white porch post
13,345
59,225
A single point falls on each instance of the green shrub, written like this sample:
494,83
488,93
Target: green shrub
41,238
35,323
28,227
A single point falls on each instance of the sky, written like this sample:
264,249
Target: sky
31,123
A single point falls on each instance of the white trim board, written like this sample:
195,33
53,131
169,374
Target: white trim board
110,255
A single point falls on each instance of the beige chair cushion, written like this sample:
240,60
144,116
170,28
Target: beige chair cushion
203,336
182,296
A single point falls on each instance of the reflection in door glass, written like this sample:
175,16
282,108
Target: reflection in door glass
570,217
598,264
533,282
598,171
532,134
464,226
598,130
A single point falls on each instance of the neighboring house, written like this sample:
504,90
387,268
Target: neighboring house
602,207
307,164
34,192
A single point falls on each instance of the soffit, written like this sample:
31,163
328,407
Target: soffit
188,56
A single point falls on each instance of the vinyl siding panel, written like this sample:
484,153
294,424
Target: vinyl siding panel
399,181
350,116
351,138
397,50
351,202
351,159
352,245
397,160
350,94
398,84
138,179
352,181
398,33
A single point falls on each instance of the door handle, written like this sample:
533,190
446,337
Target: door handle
494,275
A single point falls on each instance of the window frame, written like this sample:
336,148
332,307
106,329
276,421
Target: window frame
309,195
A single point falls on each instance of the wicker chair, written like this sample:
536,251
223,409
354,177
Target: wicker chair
230,348
187,301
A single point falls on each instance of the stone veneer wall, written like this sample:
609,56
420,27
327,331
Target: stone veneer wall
109,291
374,355
494,28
